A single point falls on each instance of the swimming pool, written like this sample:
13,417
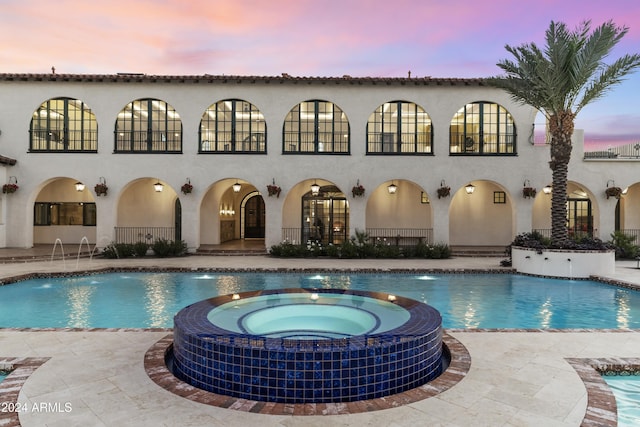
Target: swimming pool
626,389
151,299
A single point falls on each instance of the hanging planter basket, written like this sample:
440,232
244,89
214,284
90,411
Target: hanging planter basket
273,190
613,192
528,192
358,191
101,189
444,192
10,188
186,188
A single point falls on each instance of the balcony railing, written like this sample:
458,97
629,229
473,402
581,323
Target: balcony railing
148,141
623,152
143,234
64,140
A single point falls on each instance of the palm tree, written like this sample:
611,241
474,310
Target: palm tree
559,81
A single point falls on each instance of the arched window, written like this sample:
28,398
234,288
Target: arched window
63,124
148,126
233,126
482,128
316,127
399,127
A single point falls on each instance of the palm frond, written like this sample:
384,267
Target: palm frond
609,77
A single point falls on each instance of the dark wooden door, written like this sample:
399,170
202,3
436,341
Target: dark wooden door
254,218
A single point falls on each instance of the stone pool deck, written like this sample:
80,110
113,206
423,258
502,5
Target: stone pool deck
98,378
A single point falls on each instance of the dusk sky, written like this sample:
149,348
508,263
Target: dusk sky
448,38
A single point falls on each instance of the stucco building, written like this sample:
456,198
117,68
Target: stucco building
315,139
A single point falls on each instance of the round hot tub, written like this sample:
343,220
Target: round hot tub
304,346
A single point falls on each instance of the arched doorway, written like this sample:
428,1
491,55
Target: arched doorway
325,216
253,216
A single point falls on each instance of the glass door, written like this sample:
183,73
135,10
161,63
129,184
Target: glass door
325,216
579,219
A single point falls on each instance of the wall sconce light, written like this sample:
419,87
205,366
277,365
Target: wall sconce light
315,189
470,188
224,210
547,189
392,188
158,187
79,186
237,187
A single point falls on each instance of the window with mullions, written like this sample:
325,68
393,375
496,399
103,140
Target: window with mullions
148,126
399,128
65,213
233,126
316,127
63,125
482,128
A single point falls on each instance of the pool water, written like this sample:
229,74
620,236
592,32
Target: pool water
148,300
3,375
297,315
626,389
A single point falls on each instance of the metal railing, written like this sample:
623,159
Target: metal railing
395,236
401,236
632,232
143,234
623,152
148,141
64,140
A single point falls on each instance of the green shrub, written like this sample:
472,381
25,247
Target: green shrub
332,250
140,249
625,248
287,249
359,246
443,249
349,250
386,250
169,248
118,250
421,250
110,252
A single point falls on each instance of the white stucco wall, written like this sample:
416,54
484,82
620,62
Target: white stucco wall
456,220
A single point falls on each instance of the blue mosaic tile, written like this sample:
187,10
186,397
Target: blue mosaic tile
303,371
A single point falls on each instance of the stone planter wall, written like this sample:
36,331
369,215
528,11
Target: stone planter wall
563,263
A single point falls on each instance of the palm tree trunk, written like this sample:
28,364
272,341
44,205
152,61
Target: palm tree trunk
559,233
561,129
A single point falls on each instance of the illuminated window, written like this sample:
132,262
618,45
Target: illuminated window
499,197
63,124
65,213
232,126
316,127
482,128
148,126
399,128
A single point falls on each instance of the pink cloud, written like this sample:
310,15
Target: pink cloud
456,38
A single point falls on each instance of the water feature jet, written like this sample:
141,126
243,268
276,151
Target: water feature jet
53,252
